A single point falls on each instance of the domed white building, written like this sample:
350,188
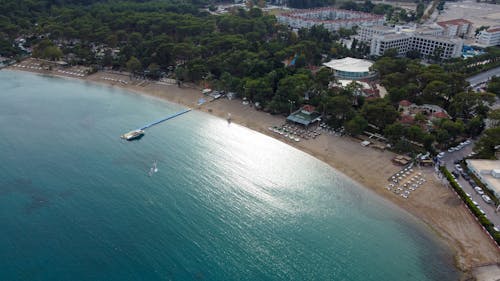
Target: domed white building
351,68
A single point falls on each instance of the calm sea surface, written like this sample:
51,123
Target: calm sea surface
227,203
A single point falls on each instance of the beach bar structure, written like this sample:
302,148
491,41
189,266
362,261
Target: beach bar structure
305,116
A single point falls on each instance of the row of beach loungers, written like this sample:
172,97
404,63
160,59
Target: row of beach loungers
284,133
115,80
35,66
79,73
300,131
405,182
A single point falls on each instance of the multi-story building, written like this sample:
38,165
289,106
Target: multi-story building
425,39
332,19
427,45
366,33
490,37
456,27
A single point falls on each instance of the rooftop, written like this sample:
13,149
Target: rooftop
305,116
349,65
484,169
405,103
495,29
440,115
454,22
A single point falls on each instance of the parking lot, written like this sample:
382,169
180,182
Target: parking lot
448,159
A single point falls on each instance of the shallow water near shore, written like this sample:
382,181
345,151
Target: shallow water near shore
227,203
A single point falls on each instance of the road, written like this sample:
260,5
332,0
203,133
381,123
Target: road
483,76
489,209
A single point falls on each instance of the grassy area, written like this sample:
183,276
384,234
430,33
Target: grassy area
483,220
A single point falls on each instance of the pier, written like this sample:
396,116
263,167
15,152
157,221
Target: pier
165,119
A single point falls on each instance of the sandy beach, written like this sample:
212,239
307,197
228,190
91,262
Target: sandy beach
434,203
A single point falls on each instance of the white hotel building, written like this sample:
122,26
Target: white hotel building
490,37
332,19
407,38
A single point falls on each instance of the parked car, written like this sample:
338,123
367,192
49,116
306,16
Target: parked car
456,174
479,190
487,199
468,195
475,203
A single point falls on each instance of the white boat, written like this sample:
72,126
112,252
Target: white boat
132,135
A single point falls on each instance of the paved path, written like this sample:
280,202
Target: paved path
483,76
489,209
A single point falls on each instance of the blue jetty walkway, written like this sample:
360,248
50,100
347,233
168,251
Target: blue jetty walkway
165,119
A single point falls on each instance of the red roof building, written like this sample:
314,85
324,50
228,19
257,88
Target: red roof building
407,119
456,27
496,29
309,108
440,115
405,103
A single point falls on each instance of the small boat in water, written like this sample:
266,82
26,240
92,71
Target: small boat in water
153,169
132,135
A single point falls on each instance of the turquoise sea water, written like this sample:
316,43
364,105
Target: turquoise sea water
76,202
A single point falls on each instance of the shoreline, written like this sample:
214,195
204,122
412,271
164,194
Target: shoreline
434,204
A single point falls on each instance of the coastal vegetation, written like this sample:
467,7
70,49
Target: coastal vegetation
476,64
246,51
407,79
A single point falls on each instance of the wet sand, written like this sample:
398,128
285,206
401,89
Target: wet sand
434,203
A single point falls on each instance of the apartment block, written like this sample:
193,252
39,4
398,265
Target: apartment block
332,19
405,38
456,27
490,37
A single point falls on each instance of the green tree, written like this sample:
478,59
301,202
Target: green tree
339,108
258,90
485,146
379,112
356,125
475,126
154,70
395,132
52,53
134,65
494,85
494,117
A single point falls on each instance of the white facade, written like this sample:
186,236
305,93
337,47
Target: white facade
407,38
331,19
366,33
487,172
425,44
351,68
456,27
490,37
